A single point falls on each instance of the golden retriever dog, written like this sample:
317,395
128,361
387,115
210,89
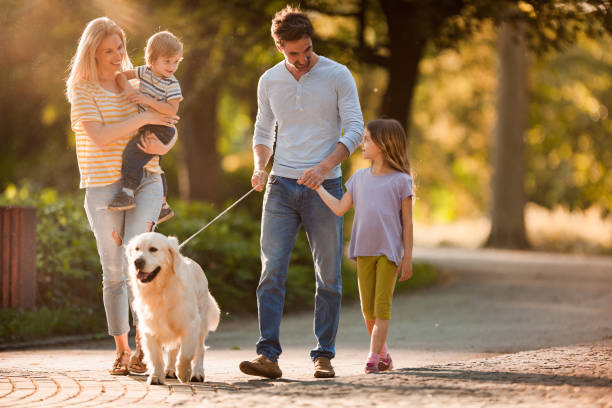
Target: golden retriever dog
174,307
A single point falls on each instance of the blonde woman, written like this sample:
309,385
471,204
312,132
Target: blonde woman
104,120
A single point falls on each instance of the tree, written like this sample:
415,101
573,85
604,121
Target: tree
412,26
507,215
222,42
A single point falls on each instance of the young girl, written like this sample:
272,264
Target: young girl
381,240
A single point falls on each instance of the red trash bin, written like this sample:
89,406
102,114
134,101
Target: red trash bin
18,252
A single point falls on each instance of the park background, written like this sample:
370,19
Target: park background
506,104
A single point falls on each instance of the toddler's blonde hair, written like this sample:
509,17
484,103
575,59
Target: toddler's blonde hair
162,44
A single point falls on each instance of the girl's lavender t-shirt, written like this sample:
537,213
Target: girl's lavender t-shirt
377,226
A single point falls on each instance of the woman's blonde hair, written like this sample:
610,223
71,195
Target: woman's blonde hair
83,63
389,136
162,44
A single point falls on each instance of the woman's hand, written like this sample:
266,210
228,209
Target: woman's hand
137,97
153,118
405,269
149,143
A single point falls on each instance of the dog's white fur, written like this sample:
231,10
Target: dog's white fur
175,309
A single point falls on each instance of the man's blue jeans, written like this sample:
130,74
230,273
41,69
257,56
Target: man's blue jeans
287,205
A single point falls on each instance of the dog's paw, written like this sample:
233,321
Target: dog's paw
197,378
184,373
156,380
170,373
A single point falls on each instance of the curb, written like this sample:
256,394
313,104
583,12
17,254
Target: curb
54,341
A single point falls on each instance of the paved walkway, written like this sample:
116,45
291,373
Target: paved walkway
503,329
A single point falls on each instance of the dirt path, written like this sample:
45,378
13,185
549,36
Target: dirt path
503,329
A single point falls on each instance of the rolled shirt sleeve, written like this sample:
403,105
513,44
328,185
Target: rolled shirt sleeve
349,110
313,115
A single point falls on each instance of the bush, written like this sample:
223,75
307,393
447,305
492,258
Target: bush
24,325
228,251
68,272
69,298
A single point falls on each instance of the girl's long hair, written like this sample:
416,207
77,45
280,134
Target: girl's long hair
389,136
83,63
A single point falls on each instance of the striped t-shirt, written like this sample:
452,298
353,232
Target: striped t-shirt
158,88
100,166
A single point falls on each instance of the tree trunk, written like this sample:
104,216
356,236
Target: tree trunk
199,151
406,43
508,204
199,165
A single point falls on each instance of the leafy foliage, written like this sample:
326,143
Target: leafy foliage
570,150
228,251
20,325
68,269
69,297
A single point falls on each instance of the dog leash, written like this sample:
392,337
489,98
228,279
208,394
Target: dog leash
216,218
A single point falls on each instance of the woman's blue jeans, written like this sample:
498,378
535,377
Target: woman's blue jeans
286,207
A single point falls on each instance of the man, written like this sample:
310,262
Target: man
311,99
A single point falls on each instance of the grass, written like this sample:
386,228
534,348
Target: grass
558,230
423,276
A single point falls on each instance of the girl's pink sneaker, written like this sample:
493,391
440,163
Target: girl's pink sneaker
372,363
385,363
371,368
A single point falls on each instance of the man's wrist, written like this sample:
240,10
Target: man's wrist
325,168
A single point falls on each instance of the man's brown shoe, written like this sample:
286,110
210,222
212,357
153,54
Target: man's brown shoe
323,368
261,366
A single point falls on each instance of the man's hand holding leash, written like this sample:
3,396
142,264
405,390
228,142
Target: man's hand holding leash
259,179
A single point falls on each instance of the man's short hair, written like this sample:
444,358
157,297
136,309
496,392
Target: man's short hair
290,24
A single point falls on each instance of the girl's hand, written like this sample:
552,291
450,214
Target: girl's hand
154,118
313,177
405,269
149,143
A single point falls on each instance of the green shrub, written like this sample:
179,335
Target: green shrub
24,325
68,272
69,299
228,251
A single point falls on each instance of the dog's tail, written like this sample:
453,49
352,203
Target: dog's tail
213,313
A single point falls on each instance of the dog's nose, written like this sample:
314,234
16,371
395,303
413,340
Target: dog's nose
139,263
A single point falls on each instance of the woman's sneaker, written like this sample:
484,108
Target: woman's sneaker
385,364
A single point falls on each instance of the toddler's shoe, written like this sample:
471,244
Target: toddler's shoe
385,363
122,201
165,214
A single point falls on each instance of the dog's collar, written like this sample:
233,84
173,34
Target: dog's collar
151,275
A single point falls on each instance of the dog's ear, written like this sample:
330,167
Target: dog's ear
128,250
173,245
